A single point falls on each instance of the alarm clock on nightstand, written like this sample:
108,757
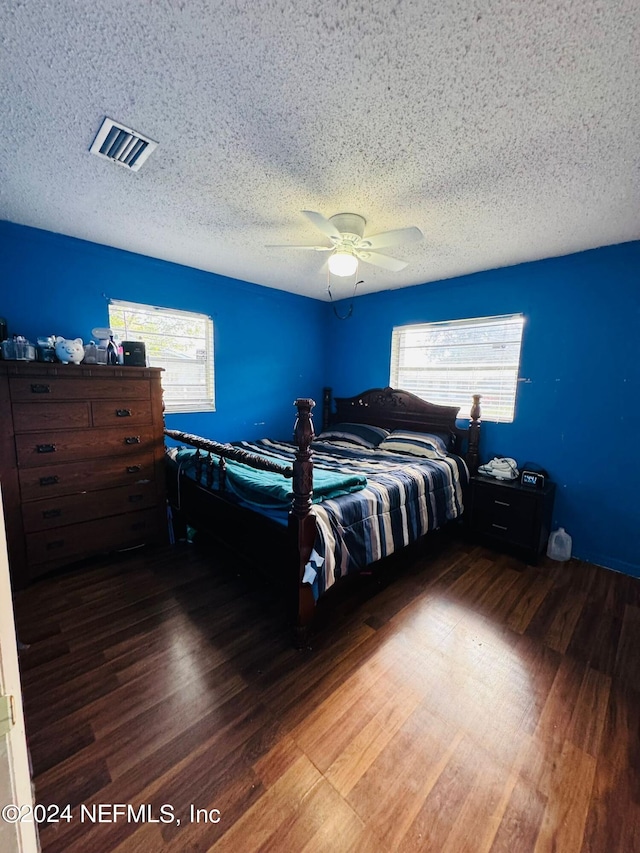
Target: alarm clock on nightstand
533,476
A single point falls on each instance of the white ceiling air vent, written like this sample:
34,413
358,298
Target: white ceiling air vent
122,145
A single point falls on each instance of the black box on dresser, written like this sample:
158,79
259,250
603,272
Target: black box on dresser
81,462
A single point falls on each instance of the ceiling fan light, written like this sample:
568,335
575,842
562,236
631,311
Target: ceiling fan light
343,263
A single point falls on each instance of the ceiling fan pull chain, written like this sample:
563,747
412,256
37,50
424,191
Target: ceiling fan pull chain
350,311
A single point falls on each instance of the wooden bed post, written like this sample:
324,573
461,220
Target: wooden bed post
474,435
301,524
303,435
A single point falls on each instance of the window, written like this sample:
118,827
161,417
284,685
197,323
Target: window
179,341
447,363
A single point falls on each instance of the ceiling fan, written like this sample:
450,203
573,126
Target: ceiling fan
349,245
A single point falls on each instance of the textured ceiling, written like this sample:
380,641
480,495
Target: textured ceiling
506,131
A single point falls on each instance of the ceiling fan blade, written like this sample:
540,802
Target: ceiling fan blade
380,260
323,224
391,238
289,246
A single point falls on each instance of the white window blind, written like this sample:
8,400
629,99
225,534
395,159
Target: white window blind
448,362
181,342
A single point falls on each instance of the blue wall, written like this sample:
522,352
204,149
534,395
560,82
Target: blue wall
575,415
577,411
269,345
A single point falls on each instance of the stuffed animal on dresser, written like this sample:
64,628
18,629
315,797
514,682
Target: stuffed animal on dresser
69,351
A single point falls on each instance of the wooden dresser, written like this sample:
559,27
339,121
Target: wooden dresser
81,462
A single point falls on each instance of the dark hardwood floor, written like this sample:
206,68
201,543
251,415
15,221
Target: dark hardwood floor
473,704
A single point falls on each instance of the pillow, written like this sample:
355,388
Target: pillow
415,444
448,439
363,435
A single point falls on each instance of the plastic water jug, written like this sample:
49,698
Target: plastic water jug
559,547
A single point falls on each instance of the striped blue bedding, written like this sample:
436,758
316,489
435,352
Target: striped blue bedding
404,498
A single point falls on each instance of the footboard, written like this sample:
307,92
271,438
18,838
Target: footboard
212,455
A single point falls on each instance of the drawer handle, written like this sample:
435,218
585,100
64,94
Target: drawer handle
40,389
132,439
51,513
123,413
46,448
135,498
49,481
502,503
57,544
138,525
133,469
500,526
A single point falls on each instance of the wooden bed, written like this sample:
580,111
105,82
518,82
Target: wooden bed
290,546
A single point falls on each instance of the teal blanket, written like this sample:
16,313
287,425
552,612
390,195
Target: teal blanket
271,490
274,491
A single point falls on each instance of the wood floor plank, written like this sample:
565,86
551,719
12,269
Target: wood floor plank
47,752
596,636
538,670
521,821
324,816
432,825
589,713
613,822
619,743
390,794
330,734
559,709
52,672
263,820
305,686
527,605
352,692
429,619
470,584
372,738
340,831
562,625
270,766
499,596
483,807
567,806
627,666
498,805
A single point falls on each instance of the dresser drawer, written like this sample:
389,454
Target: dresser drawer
75,477
47,448
504,523
30,418
60,388
51,548
114,414
504,506
72,509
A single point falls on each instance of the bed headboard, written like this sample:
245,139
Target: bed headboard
393,408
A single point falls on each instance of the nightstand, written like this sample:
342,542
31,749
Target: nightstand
504,511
